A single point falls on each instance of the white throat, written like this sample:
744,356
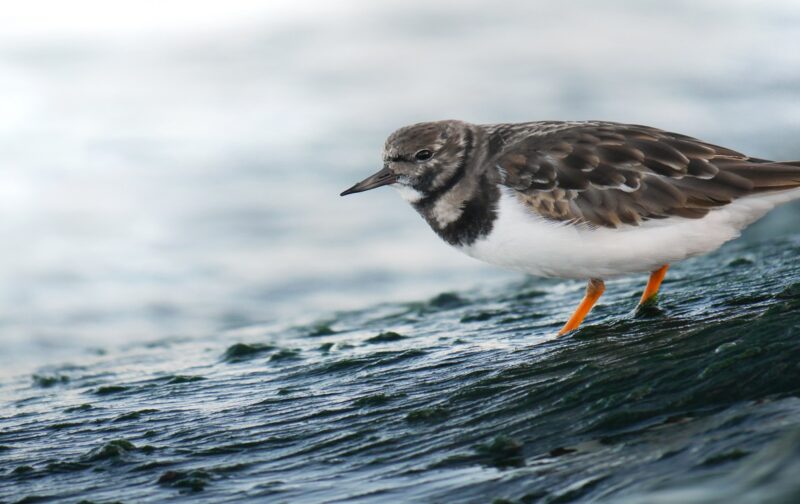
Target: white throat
408,193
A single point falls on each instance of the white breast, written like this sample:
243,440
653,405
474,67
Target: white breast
522,240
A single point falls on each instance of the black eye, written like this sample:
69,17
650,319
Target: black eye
423,155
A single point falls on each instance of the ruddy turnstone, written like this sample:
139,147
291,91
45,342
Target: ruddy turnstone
581,200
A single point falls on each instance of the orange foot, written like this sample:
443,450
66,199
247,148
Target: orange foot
594,290
650,294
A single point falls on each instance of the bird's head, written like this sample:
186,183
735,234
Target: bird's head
421,159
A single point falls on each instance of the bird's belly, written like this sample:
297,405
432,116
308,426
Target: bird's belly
524,241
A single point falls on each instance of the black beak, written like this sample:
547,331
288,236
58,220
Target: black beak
382,178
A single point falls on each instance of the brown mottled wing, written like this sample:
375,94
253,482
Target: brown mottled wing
610,174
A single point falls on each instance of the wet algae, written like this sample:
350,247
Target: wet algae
466,397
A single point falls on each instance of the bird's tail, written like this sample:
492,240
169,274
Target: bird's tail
791,175
768,176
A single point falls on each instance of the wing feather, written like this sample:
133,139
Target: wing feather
610,174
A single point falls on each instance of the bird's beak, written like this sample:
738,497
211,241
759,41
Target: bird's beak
382,178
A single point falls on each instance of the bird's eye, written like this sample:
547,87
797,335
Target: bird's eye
423,155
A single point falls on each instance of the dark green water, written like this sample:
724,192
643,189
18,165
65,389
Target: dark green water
466,397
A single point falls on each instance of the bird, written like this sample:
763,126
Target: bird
586,200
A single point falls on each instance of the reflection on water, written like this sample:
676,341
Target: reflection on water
186,181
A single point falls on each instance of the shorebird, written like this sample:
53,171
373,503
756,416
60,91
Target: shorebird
579,200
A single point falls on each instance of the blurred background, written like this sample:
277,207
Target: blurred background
172,169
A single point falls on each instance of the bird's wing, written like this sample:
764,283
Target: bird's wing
609,174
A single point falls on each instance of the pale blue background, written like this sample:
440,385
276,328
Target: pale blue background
173,168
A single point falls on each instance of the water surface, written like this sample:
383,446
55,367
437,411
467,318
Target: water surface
464,397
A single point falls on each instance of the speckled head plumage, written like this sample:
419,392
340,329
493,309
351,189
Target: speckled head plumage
438,167
425,158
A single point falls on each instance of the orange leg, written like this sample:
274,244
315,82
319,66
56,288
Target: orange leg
594,290
650,292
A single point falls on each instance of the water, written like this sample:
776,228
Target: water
466,397
169,192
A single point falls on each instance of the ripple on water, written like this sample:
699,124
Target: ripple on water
460,396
